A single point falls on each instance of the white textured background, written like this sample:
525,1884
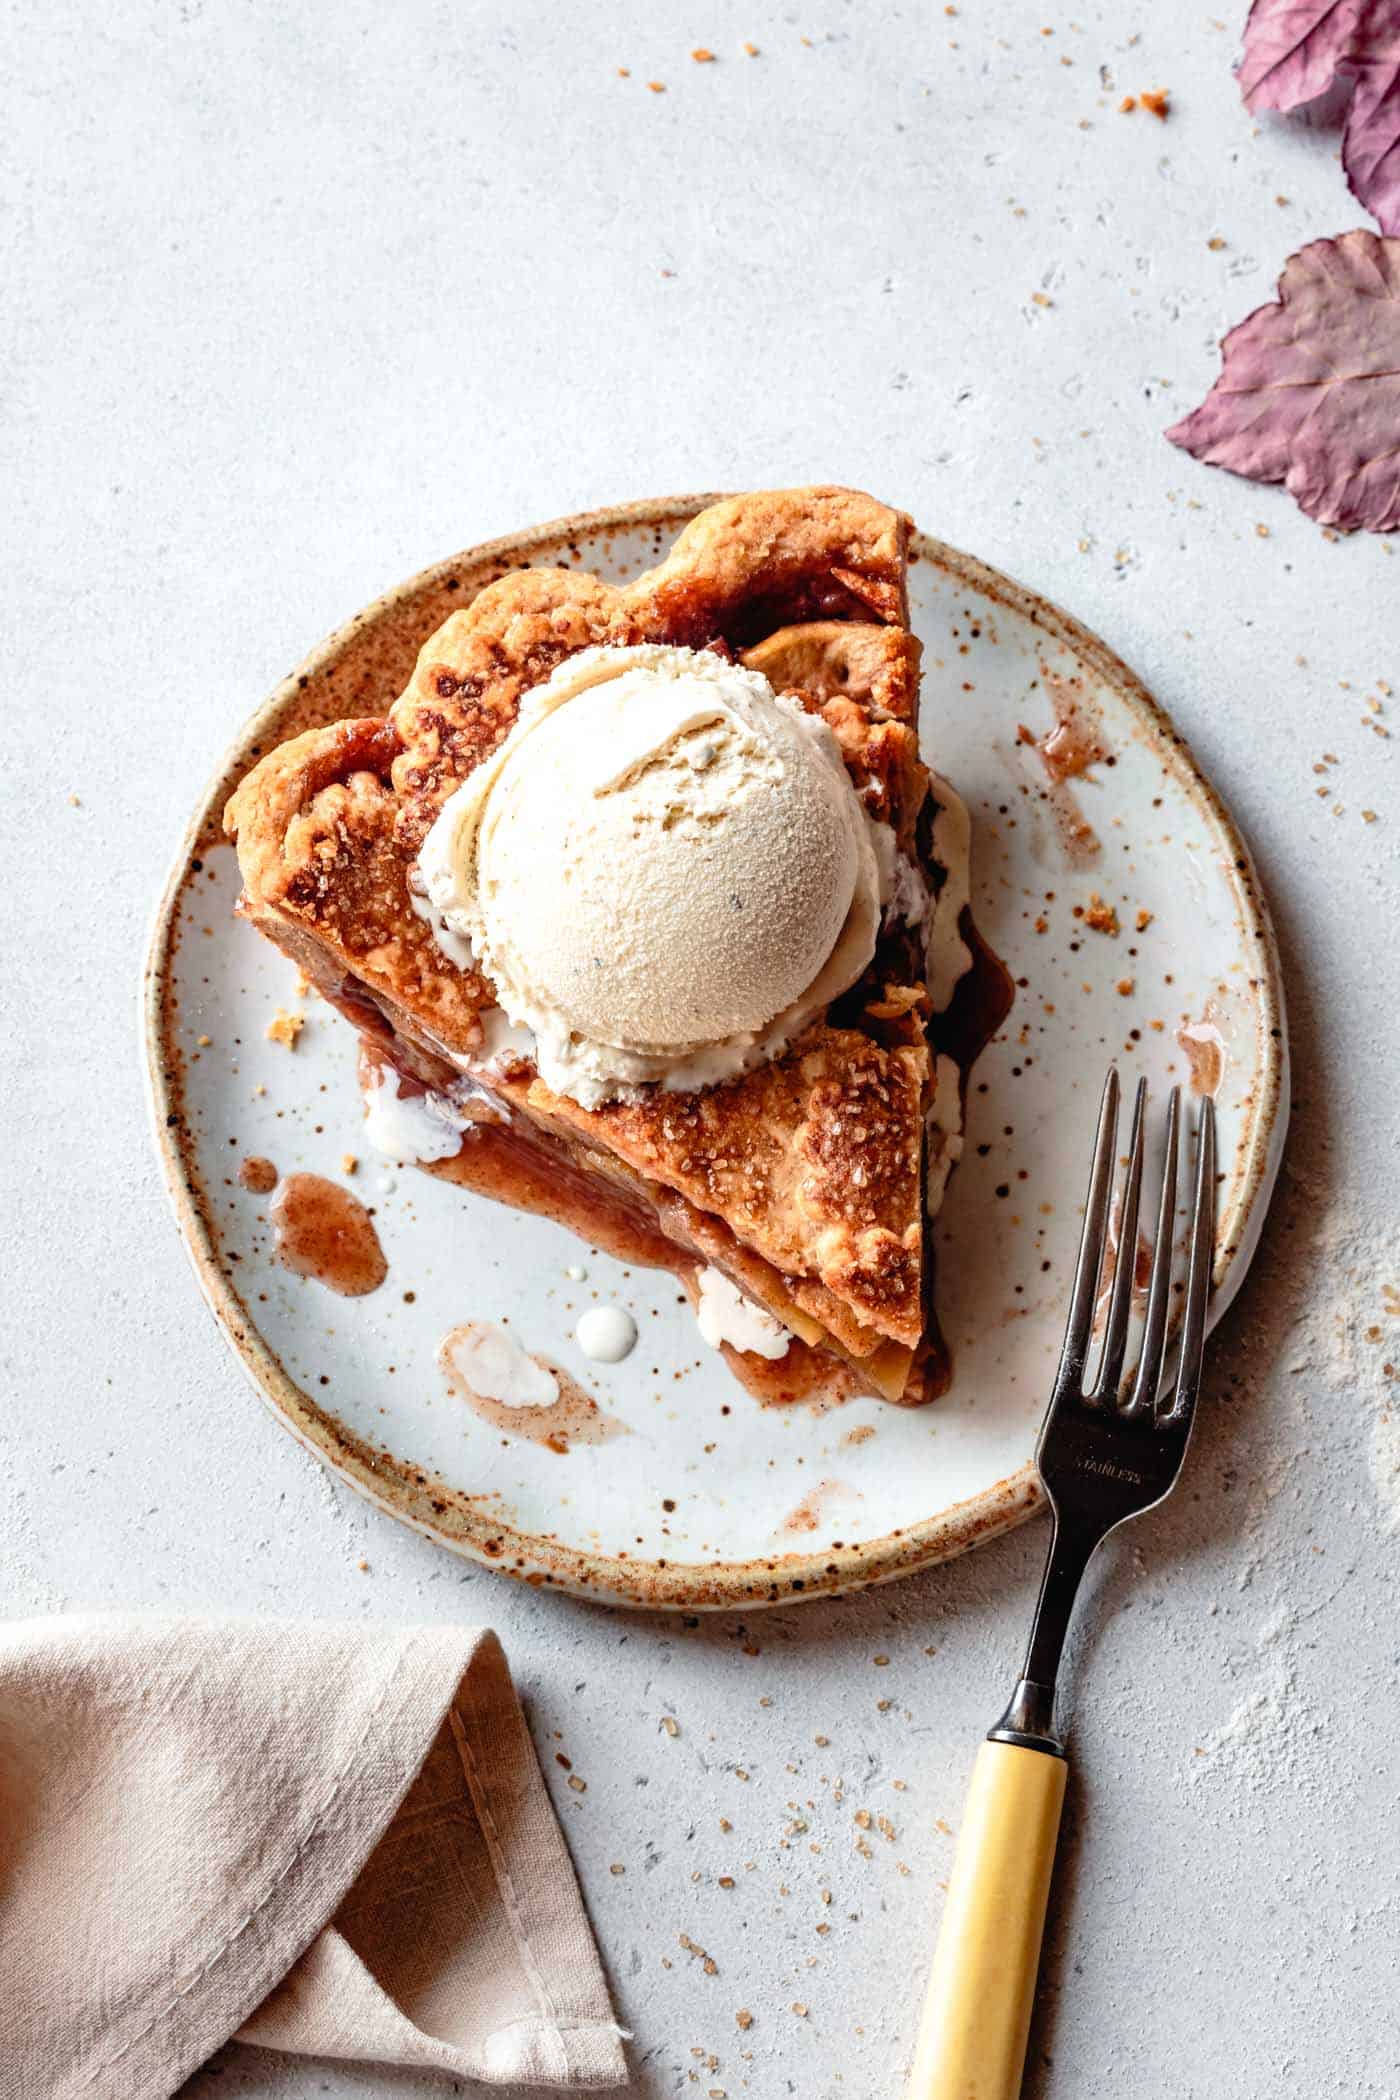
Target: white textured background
299,298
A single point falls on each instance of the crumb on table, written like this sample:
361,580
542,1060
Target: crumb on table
707,1963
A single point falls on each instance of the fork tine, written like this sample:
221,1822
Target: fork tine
1198,1275
1091,1241
1143,1398
1120,1304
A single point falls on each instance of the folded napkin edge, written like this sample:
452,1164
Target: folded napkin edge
451,1667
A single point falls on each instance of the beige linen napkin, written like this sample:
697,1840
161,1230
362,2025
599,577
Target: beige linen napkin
323,1838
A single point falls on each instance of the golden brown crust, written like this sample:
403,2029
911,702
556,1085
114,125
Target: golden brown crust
465,690
820,551
864,682
812,1161
829,659
320,848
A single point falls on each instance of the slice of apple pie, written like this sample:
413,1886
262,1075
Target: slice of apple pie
653,920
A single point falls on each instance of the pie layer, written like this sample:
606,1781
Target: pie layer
804,1180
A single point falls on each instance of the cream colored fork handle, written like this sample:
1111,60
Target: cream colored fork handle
972,2039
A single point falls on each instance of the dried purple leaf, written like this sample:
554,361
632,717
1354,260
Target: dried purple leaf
1371,141
1309,387
1296,50
1292,50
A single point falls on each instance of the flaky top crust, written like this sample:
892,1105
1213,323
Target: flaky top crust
814,1160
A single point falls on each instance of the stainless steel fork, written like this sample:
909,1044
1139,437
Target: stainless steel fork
1107,1452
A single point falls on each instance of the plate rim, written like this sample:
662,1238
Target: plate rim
442,1513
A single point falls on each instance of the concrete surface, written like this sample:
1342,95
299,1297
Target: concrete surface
298,299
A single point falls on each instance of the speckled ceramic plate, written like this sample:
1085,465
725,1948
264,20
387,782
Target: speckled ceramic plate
709,1500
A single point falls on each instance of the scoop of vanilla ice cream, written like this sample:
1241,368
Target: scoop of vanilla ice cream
664,870
665,861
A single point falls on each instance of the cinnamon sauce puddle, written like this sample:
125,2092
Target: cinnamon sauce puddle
1204,1047
320,1230
1067,750
810,1512
574,1417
